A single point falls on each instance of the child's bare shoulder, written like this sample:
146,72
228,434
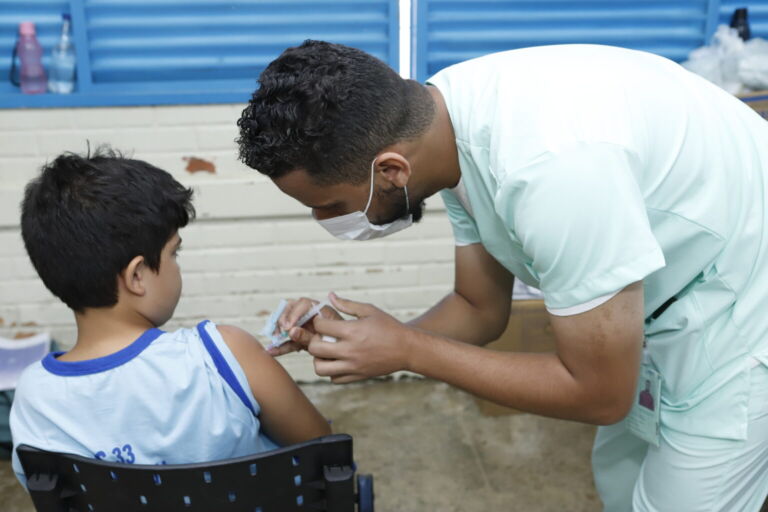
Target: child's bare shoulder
242,343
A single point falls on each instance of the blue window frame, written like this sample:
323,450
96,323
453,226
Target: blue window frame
445,32
149,52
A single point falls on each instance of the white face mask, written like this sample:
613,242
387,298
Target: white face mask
356,226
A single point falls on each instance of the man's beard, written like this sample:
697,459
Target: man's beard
395,197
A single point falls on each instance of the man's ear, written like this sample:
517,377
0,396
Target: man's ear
394,168
132,276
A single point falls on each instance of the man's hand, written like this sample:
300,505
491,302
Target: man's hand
590,378
300,336
372,345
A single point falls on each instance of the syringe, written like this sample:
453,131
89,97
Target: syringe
303,319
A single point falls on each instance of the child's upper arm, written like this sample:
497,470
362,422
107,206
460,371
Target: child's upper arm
287,415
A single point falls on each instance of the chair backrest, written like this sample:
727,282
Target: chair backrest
15,355
313,476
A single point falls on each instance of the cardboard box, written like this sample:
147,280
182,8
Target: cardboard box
758,100
528,330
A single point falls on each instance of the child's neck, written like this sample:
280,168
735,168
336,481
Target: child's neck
104,331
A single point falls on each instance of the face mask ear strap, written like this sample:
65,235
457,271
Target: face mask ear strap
370,193
407,202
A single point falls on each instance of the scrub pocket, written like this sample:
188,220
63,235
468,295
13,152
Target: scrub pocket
697,349
696,473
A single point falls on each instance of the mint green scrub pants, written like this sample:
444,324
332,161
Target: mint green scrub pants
686,473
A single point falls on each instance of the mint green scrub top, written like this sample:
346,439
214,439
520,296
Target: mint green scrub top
587,168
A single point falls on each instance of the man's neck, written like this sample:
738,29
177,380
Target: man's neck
439,152
433,154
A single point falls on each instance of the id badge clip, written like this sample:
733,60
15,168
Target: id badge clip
643,419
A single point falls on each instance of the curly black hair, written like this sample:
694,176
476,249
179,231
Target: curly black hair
84,218
328,108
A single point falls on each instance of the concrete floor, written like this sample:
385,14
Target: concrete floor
430,449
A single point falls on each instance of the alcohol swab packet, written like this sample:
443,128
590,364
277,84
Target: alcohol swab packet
270,328
278,338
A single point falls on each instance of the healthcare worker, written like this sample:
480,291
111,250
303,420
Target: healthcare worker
631,192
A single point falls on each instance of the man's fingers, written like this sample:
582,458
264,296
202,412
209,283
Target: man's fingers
336,328
350,307
330,313
331,368
283,349
300,336
284,315
294,311
326,349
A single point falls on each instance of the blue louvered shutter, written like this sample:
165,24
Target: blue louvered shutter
46,14
758,14
207,45
449,31
140,52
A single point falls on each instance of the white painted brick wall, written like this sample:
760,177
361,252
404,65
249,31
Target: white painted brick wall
250,246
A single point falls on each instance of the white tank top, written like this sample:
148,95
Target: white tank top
168,398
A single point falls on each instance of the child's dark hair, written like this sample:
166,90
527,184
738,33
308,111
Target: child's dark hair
86,217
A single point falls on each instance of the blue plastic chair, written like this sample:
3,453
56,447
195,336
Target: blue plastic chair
317,475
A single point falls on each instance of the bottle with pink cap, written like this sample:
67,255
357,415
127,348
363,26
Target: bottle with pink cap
30,53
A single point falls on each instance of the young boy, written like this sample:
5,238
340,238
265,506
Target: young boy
102,233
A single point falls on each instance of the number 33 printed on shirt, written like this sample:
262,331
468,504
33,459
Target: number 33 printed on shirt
122,455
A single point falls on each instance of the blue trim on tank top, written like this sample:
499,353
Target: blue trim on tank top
222,366
100,364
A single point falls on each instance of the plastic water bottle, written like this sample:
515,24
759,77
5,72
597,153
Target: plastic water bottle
740,21
61,75
30,53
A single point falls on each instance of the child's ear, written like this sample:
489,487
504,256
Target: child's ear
133,276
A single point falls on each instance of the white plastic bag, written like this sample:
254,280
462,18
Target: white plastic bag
719,62
753,65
